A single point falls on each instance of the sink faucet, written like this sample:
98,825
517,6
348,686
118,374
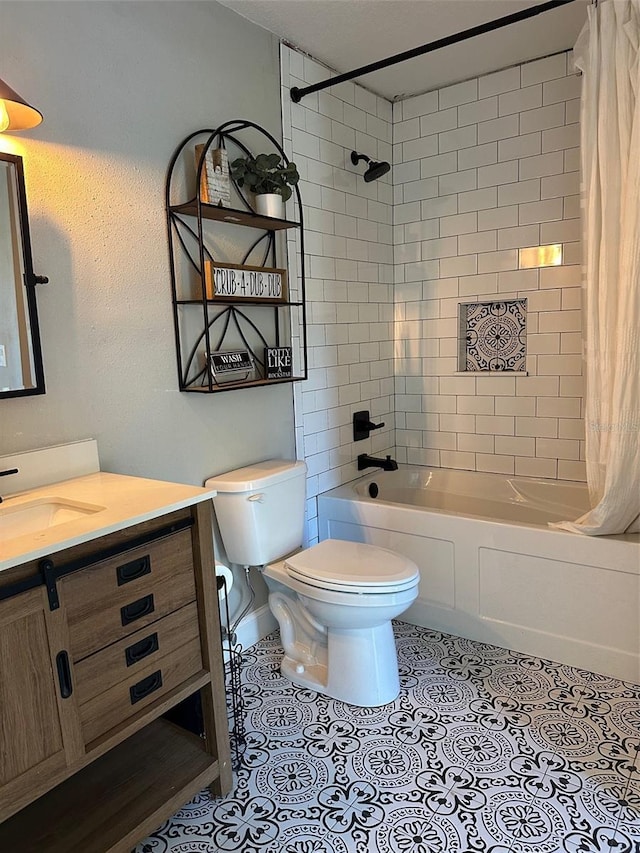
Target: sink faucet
6,473
387,464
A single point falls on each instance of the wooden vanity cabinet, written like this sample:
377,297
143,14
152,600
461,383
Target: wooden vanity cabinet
118,631
38,737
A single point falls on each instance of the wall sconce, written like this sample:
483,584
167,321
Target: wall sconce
16,113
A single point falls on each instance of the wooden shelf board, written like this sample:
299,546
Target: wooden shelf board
232,386
111,805
264,303
233,216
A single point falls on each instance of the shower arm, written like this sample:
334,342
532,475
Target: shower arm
298,93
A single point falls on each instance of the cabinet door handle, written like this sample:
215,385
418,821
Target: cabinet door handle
145,687
64,674
137,609
133,570
141,649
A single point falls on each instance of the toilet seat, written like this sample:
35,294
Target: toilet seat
352,567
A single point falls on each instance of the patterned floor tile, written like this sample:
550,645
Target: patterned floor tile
292,778
484,751
479,749
408,828
519,680
624,718
599,839
575,740
306,838
608,799
387,764
445,696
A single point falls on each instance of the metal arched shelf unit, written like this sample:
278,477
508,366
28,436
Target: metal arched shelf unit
206,324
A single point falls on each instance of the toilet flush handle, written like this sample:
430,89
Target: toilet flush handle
259,497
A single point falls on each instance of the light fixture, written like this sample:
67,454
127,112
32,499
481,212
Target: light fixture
16,113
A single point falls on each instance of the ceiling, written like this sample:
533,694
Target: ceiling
346,34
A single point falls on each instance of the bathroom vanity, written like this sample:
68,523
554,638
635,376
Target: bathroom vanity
108,619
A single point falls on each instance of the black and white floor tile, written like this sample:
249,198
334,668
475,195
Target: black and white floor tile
484,751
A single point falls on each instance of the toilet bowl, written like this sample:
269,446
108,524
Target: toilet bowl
335,627
334,602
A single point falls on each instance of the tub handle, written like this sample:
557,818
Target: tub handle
363,425
259,497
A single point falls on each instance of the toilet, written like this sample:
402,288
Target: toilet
334,602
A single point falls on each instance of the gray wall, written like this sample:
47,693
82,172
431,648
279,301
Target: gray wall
120,85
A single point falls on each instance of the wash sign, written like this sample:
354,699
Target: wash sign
235,281
231,366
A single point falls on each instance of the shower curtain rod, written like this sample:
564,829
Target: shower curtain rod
297,93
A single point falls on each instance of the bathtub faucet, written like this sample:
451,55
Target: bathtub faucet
387,464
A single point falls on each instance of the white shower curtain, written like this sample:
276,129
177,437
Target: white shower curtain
607,53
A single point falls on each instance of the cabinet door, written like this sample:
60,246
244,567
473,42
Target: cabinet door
32,727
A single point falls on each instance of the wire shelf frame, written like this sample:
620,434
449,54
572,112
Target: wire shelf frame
232,655
251,324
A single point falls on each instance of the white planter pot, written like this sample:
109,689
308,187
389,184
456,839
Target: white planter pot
270,204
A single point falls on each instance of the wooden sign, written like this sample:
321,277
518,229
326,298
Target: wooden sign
215,183
232,366
277,362
236,281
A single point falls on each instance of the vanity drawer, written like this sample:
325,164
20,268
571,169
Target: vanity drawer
128,657
113,707
118,596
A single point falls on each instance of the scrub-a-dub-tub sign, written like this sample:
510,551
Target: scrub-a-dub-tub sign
236,281
277,362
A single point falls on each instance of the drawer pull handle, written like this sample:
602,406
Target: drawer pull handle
141,649
133,570
145,687
137,609
64,674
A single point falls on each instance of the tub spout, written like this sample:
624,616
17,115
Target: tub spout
387,464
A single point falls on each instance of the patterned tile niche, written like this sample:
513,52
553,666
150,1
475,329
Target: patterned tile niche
493,336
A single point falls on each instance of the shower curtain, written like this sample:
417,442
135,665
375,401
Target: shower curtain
607,53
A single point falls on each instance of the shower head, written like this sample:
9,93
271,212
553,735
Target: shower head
374,170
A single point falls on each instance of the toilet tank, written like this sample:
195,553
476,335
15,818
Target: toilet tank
260,510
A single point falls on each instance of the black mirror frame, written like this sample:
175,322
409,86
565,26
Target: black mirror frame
30,281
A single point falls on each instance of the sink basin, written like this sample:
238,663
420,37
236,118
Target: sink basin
21,519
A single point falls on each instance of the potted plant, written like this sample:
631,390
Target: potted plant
269,178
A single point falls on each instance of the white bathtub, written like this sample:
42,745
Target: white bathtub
492,570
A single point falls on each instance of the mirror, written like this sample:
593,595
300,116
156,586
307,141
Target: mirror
21,371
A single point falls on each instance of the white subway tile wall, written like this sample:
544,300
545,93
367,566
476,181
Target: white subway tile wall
481,170
504,148
349,264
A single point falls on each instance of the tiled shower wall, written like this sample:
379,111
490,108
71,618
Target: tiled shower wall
349,273
481,169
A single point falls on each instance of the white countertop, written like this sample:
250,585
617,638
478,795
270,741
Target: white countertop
126,501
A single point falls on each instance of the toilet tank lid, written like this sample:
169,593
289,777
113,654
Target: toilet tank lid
257,476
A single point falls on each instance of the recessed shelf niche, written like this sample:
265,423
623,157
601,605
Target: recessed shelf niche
492,336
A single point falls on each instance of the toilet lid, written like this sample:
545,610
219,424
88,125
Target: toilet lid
352,567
